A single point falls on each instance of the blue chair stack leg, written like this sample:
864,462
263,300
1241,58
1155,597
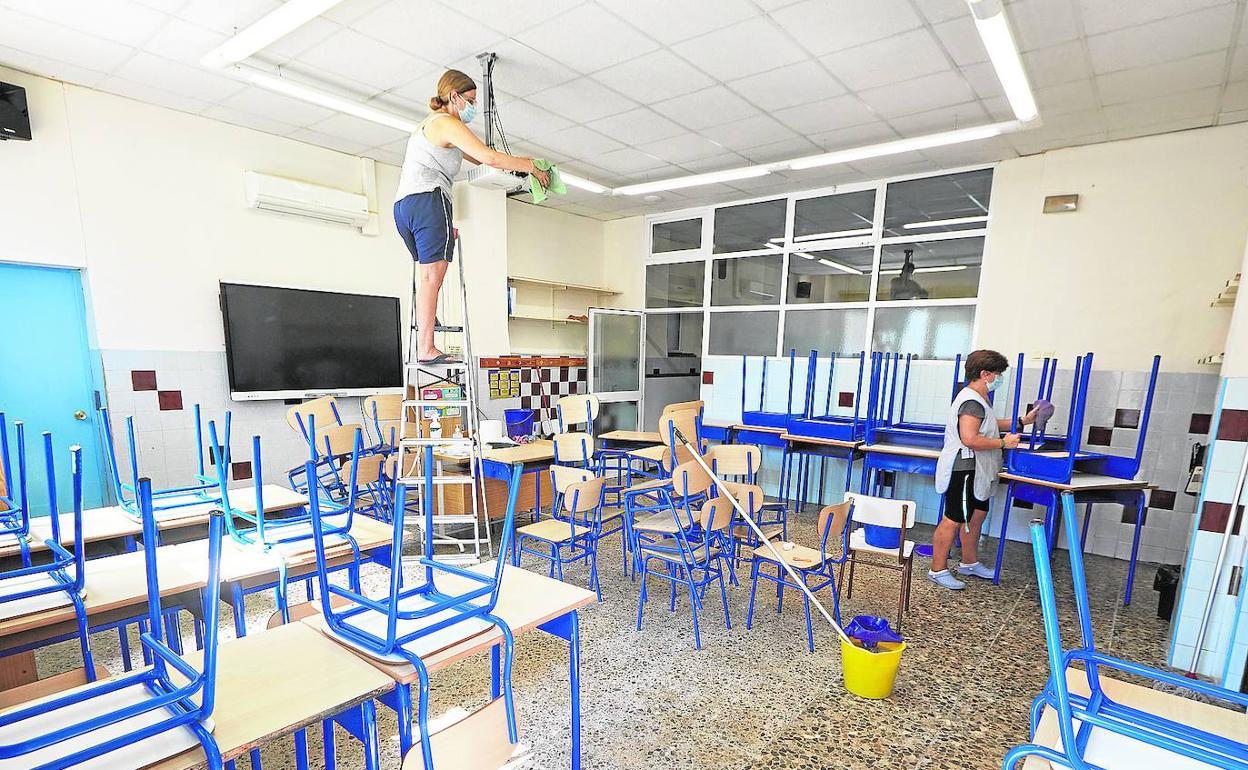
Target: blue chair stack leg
15,521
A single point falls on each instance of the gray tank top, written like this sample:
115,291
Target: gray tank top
427,166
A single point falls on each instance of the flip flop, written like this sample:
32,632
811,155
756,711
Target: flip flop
445,358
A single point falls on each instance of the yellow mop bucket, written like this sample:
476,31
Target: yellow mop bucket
871,674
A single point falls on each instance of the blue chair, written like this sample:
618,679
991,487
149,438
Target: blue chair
202,490
657,508
737,465
1079,717
575,525
412,621
696,556
15,519
384,413
135,719
823,566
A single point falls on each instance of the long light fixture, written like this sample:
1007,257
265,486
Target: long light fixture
837,234
944,222
994,30
695,180
582,184
841,267
315,96
899,146
273,26
937,269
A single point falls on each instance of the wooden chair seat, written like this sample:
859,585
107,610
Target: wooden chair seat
858,542
655,522
654,453
650,549
552,530
648,484
479,741
610,516
745,533
799,556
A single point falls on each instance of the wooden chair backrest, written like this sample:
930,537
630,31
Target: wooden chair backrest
682,406
582,496
479,741
564,476
367,470
572,409
389,407
685,421
688,479
882,511
322,409
341,439
716,515
573,447
751,497
735,459
832,522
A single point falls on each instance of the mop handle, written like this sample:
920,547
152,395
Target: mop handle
759,532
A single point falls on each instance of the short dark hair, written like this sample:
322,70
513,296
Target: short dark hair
984,361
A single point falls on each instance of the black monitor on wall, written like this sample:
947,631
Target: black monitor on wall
299,343
14,114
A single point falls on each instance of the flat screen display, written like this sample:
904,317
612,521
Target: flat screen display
294,343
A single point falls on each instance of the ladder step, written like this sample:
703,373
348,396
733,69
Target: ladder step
456,365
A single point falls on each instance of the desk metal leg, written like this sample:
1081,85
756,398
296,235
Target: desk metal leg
361,722
1005,521
568,626
496,668
1135,548
400,699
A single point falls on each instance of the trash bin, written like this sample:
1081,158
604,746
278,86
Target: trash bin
1166,584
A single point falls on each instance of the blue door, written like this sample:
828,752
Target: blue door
48,377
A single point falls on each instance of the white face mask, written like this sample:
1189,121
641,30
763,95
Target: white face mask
468,111
996,383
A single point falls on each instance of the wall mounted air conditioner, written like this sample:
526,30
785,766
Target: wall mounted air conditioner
303,199
485,176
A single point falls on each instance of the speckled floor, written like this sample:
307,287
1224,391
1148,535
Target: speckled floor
757,698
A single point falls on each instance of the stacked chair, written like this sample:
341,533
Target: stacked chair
575,527
202,488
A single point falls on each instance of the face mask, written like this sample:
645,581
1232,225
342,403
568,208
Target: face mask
468,112
996,383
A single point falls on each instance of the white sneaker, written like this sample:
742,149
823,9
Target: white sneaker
945,580
975,570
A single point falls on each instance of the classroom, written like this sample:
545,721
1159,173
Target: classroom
623,384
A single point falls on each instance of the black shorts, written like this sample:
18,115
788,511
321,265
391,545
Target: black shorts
960,498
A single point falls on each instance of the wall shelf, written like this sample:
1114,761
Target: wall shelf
1226,297
1214,359
561,286
549,319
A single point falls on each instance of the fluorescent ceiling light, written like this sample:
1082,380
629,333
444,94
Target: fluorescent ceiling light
803,255
839,266
582,184
308,94
728,175
837,234
899,146
938,269
944,222
994,30
278,23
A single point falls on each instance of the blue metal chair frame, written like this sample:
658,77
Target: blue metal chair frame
582,546
825,424
202,491
448,609
760,416
823,574
696,559
882,404
15,519
177,700
1098,710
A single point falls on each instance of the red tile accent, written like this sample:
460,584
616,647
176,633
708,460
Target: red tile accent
845,398
1100,436
1162,499
240,471
143,379
1127,418
170,400
708,378
1213,517
1233,425
1200,424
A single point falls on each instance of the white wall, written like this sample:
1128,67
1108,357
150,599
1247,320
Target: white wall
1161,227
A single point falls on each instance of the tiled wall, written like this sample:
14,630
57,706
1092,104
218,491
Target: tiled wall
1181,416
1225,647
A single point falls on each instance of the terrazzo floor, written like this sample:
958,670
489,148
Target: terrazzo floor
757,698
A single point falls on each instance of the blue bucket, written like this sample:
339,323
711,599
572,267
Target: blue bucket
882,537
519,422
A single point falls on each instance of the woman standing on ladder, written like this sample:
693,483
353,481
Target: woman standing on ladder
422,206
966,472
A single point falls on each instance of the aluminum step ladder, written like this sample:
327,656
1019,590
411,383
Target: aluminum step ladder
451,426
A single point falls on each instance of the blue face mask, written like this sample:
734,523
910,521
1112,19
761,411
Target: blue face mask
996,383
468,112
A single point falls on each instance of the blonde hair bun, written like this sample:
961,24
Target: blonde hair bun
452,81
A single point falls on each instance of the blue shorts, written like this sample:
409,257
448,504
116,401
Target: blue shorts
424,223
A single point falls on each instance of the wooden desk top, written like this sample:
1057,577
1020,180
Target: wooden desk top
903,450
760,428
274,682
718,424
633,436
114,582
526,600
823,441
533,452
1080,482
1214,719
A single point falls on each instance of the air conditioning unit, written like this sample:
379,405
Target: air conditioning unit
303,199
485,176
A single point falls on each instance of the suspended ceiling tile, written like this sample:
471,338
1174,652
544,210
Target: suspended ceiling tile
184,42
51,68
527,119
827,115
1108,15
1161,79
1074,96
363,59
225,16
581,142
681,20
1042,23
1177,37
520,70
855,136
40,38
941,119
327,140
1176,107
151,95
312,33
891,60
1056,65
428,30
259,101
589,39
724,53
169,75
824,27
918,95
248,120
750,132
961,40
629,161
358,130
122,21
582,100
708,107
682,148
638,126
511,17
788,86
636,78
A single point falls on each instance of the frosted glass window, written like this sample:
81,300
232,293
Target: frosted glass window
931,269
843,275
746,280
928,205
828,331
847,215
750,333
616,415
673,343
617,353
749,226
927,332
676,236
675,285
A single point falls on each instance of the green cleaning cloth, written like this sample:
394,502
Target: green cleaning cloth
556,181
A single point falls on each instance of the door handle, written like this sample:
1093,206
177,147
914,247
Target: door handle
80,415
